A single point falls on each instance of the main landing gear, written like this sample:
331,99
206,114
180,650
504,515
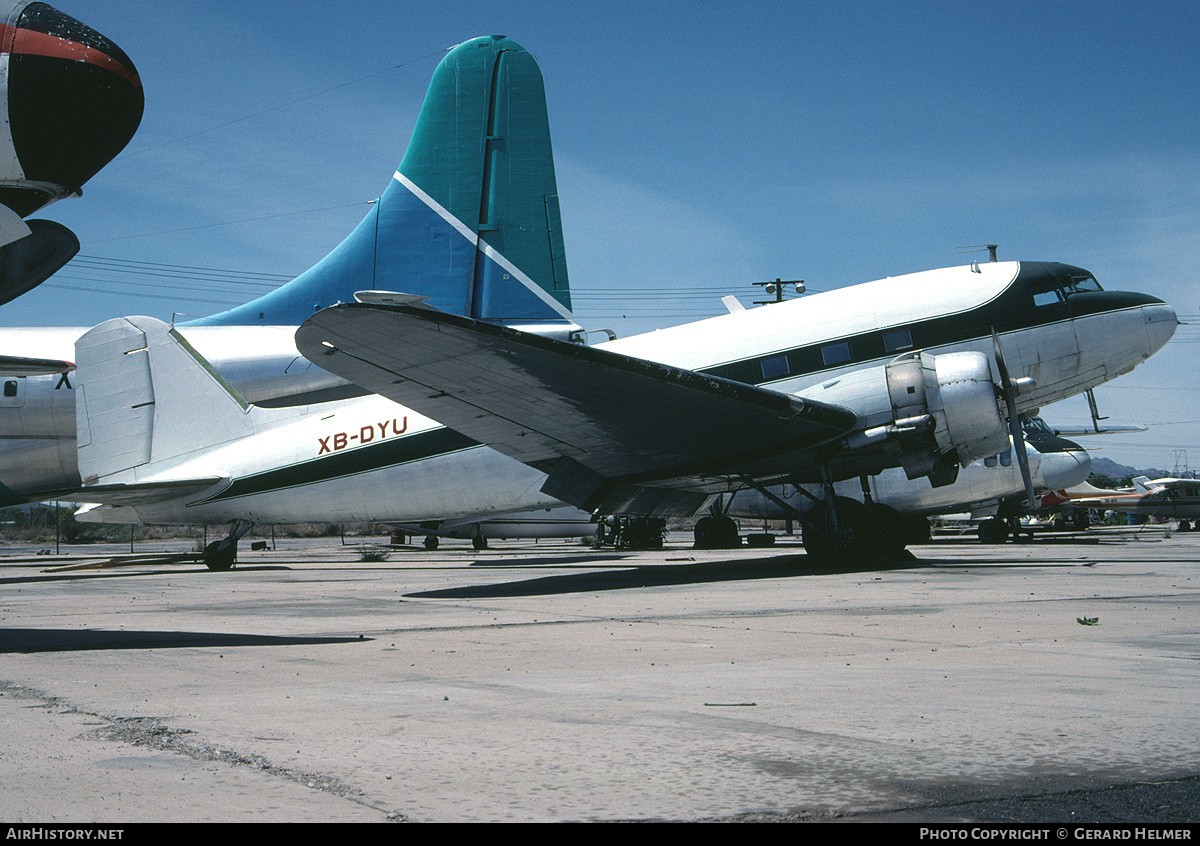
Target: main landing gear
843,530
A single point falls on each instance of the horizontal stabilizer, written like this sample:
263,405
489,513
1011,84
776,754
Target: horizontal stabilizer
146,402
634,431
144,493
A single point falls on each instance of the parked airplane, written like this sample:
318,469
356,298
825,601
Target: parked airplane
325,450
991,486
1171,499
903,371
223,421
71,101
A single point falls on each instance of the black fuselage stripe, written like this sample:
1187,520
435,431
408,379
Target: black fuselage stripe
1006,314
433,443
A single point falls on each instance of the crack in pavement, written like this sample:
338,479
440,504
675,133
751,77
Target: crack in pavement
154,733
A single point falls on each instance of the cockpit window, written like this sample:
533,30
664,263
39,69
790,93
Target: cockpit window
1036,426
1056,289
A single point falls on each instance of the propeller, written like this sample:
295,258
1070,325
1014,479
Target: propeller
1014,421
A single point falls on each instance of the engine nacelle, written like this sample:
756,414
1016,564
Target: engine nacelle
74,100
956,392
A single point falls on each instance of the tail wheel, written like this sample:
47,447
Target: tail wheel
220,555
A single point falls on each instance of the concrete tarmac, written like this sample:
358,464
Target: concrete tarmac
552,682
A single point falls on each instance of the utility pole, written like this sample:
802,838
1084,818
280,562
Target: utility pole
776,288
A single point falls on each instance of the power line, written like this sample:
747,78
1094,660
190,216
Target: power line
284,105
223,223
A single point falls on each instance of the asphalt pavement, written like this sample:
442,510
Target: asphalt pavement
1049,681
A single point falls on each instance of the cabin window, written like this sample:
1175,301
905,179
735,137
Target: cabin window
775,367
836,353
896,340
991,461
10,388
1006,458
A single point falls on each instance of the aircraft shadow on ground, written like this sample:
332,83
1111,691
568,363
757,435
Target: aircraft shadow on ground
82,640
85,575
662,575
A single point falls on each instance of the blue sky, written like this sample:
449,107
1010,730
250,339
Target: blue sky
700,147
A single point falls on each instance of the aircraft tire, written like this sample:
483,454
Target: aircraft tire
857,534
892,529
431,542
917,530
728,537
705,533
220,555
479,542
993,531
1185,525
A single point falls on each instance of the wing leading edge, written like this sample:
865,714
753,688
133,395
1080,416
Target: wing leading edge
614,434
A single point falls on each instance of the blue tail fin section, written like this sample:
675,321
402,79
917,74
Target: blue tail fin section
470,219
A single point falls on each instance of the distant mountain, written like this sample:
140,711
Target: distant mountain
1110,468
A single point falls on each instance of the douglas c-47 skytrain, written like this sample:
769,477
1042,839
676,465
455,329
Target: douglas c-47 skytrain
437,372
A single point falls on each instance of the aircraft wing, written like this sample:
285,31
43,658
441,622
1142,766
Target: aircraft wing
1170,482
15,365
1115,429
613,433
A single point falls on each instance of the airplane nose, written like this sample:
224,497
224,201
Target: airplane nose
1066,468
1161,322
74,102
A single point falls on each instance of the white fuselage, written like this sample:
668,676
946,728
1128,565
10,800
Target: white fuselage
294,473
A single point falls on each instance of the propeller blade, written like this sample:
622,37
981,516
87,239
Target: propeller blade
1014,420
